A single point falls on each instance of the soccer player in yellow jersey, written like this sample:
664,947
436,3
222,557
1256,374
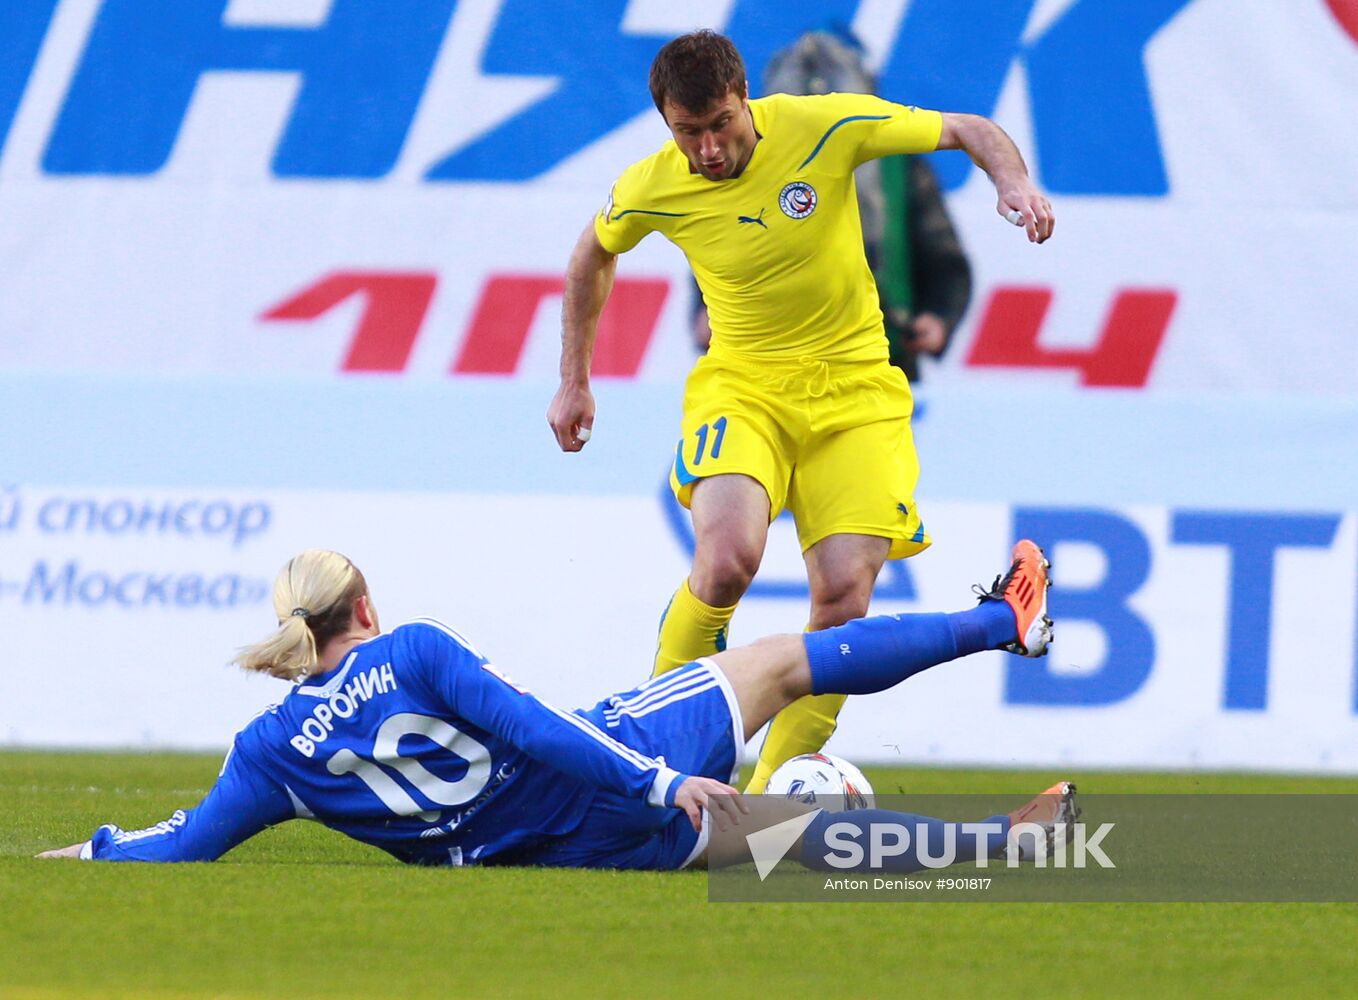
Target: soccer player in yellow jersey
795,404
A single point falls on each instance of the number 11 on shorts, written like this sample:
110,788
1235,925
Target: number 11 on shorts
719,426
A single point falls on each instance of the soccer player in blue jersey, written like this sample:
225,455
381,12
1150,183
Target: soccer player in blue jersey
411,741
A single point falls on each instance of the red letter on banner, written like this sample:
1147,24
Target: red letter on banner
1136,324
396,304
504,315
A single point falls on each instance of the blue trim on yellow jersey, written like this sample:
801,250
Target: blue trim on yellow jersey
643,211
681,472
831,129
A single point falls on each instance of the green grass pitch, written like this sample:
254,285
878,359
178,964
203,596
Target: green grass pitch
303,912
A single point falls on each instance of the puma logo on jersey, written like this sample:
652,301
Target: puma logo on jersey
757,220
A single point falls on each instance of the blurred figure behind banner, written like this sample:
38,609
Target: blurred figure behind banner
921,270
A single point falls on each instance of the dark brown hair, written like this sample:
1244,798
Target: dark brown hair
695,71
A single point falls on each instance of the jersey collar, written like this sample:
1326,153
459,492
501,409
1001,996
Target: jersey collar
332,684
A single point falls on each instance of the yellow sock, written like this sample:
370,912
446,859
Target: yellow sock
802,727
689,629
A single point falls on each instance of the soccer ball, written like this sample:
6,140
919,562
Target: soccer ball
821,779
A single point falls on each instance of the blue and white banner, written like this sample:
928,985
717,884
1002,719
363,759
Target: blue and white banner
1206,605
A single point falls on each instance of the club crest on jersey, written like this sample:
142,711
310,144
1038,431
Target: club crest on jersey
797,200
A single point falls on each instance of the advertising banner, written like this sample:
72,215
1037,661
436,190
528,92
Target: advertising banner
330,186
1205,615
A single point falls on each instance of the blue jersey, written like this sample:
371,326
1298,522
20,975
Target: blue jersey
417,745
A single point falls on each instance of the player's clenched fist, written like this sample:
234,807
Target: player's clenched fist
571,416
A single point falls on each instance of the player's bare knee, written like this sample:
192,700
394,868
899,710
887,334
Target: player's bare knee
841,596
839,607
721,574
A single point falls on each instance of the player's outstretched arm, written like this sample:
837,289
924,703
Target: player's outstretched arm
65,852
471,688
995,153
242,802
589,279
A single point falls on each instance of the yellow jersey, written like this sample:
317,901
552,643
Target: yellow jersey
778,251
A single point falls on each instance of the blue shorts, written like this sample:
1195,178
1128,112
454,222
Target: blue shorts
688,717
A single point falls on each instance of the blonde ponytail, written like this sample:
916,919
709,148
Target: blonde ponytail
313,597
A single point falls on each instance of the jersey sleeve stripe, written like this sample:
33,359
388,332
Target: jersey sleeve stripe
452,633
637,760
831,129
643,211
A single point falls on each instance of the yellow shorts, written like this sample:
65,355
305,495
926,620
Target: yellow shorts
829,441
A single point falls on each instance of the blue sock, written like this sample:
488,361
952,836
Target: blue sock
872,654
989,625
849,846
